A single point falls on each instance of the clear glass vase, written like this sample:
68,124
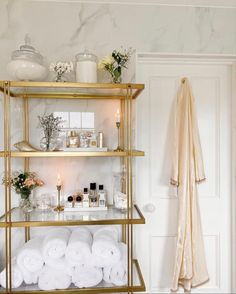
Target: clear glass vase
48,143
26,205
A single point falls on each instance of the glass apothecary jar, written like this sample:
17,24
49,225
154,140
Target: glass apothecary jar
86,67
27,64
119,191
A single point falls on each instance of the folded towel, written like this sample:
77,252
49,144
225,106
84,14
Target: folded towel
29,256
86,276
16,277
117,274
105,249
55,243
78,251
60,264
51,279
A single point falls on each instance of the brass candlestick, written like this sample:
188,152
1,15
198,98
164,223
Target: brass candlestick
118,149
59,206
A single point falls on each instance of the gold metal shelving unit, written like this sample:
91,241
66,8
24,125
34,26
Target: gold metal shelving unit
14,218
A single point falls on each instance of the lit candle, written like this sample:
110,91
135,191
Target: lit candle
58,180
118,115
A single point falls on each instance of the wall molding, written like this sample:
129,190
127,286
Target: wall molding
184,3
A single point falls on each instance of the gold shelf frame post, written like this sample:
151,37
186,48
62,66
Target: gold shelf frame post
26,138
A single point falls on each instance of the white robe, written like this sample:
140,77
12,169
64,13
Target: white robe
190,263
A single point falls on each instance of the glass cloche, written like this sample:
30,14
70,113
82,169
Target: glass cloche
27,64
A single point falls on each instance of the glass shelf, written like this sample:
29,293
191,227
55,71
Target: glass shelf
138,286
72,90
75,154
51,218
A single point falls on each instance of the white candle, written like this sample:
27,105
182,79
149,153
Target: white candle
118,115
86,71
58,180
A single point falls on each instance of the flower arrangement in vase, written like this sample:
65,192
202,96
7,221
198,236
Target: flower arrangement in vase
60,68
24,183
51,127
113,63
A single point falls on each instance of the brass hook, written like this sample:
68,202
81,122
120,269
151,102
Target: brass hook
183,80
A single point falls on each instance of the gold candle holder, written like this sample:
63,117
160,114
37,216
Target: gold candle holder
118,149
59,206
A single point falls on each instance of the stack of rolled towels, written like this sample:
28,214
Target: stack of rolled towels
65,257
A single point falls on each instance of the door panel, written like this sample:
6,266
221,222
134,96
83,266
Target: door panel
155,113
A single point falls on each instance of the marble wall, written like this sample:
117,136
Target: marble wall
59,30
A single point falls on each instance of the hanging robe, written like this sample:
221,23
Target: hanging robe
190,264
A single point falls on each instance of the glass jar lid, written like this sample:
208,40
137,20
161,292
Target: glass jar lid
86,56
27,52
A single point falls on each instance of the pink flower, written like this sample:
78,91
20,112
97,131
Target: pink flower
29,182
39,182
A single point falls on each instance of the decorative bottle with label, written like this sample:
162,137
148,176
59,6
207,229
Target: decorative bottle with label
85,203
70,202
78,198
93,197
101,196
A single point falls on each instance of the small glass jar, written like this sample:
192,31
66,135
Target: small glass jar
119,191
83,140
43,202
86,67
27,64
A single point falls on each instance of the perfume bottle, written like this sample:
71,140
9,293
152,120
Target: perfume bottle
101,197
93,140
70,202
93,198
72,139
78,198
85,202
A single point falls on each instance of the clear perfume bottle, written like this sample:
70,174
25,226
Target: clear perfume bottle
93,197
85,202
78,202
101,196
72,139
70,202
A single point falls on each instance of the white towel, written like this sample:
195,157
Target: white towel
29,278
117,274
60,264
86,276
29,256
55,243
51,279
17,277
105,249
78,251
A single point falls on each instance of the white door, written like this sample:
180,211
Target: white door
211,85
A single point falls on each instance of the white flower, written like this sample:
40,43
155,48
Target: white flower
105,61
61,67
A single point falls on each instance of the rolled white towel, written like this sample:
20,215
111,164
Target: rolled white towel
55,243
51,279
117,274
29,278
30,257
78,251
86,276
60,264
105,249
16,277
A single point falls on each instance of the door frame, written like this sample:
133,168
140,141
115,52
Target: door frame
229,60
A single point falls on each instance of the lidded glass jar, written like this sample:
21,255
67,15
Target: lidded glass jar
27,64
86,67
